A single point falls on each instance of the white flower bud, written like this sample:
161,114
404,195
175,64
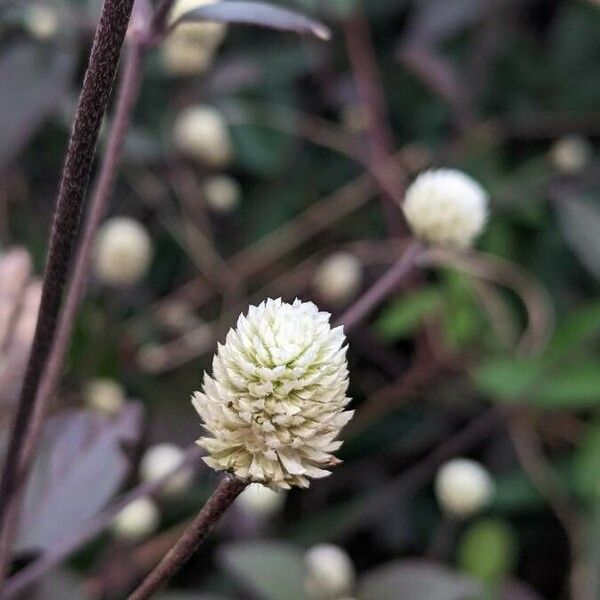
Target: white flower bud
137,520
275,403
122,251
463,487
329,572
338,278
260,501
222,193
41,21
162,459
571,154
446,207
202,133
104,395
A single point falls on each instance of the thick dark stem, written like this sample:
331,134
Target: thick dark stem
227,491
128,93
95,93
381,288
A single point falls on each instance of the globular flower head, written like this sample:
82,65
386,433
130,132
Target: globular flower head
463,487
190,46
446,207
160,460
330,572
571,154
338,277
104,395
122,252
275,402
137,520
222,193
201,132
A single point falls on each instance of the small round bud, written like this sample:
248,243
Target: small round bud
329,572
276,400
338,278
122,252
41,21
162,459
354,118
104,395
260,501
137,520
201,132
222,193
571,154
463,487
446,207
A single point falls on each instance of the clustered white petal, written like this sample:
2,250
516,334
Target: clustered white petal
446,207
330,573
463,487
274,405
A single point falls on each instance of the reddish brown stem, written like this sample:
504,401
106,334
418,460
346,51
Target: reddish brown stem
226,492
97,86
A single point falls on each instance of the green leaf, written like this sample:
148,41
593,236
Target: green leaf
577,328
271,570
507,379
576,386
488,550
586,467
404,316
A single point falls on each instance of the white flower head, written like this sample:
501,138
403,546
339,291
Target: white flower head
222,193
275,403
104,395
446,207
463,487
260,501
137,520
329,572
41,21
160,460
339,277
201,132
190,46
122,252
571,154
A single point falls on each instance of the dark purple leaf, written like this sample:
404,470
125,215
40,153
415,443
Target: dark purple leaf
515,590
82,463
417,580
61,585
257,13
33,82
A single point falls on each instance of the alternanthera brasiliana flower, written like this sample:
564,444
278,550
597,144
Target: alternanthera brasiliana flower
276,400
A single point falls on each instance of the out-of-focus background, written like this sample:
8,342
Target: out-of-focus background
245,175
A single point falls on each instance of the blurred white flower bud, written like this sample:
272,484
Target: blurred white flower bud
162,459
463,487
122,251
338,278
329,572
446,207
354,118
137,520
201,132
222,193
41,21
104,395
571,154
260,501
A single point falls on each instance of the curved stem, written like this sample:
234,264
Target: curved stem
226,492
95,94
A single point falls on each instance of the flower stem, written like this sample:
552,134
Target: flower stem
97,85
226,492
